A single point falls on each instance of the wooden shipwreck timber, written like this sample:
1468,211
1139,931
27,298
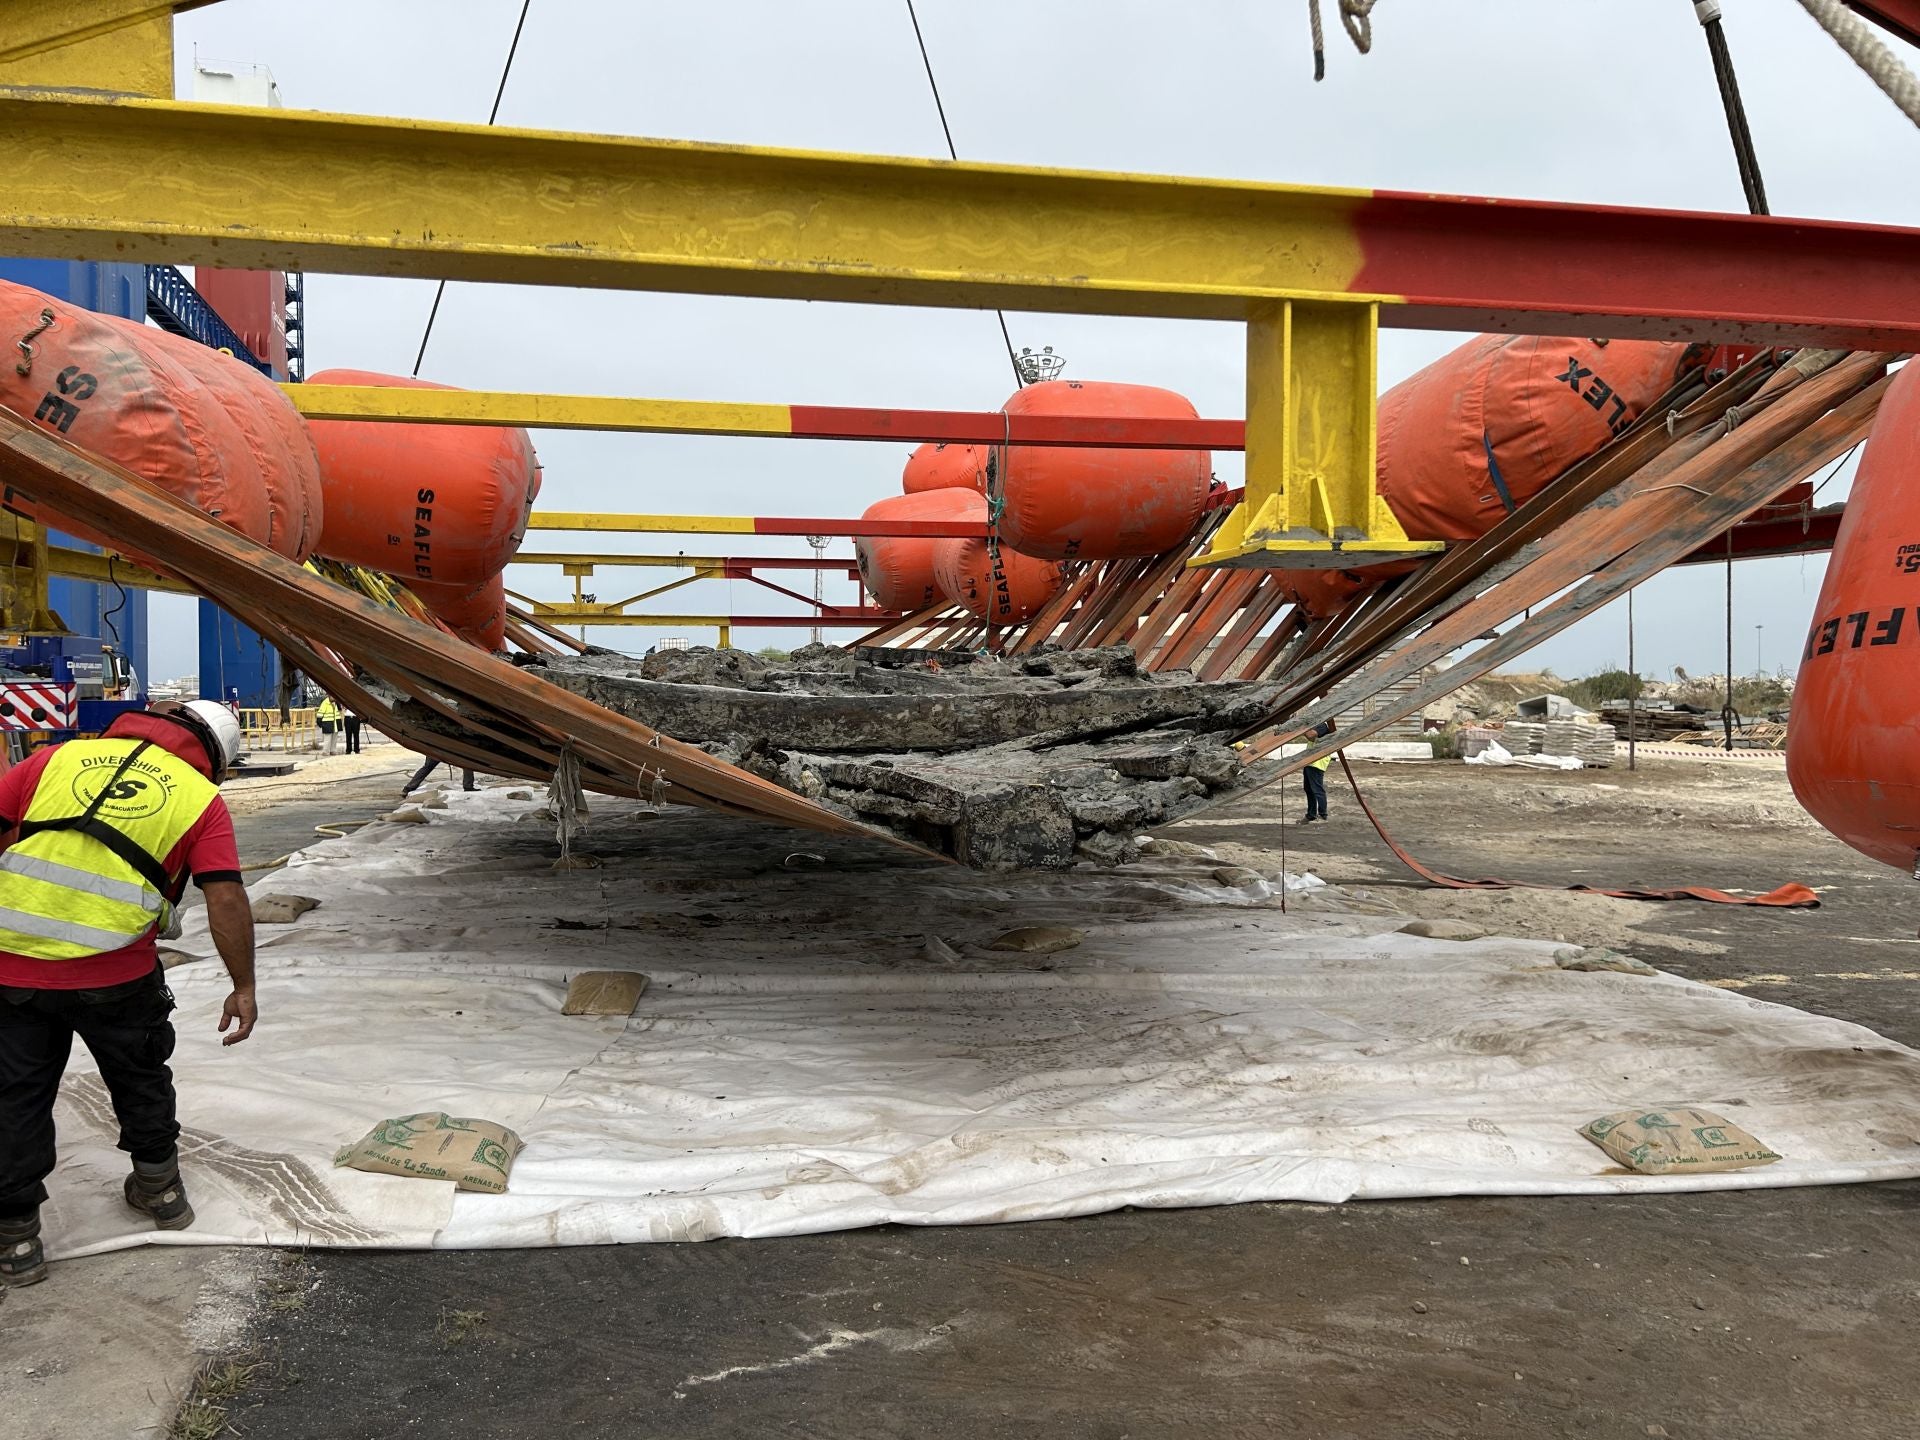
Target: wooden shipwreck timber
1043,744
1032,761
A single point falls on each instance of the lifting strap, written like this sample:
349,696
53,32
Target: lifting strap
88,823
1792,895
1493,472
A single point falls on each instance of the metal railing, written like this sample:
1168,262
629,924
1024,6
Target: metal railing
264,729
175,306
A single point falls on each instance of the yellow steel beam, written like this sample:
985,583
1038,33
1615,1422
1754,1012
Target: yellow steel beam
36,27
109,45
593,520
663,589
25,564
1310,498
540,412
284,189
108,570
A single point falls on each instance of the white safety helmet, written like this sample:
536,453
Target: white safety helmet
223,726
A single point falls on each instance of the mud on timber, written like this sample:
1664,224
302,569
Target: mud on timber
1031,762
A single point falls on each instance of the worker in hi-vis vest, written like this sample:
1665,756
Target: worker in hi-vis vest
327,717
1313,779
102,836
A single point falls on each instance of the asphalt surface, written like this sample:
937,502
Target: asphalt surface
1751,1314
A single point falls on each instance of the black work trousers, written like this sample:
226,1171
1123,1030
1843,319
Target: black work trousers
352,725
126,1028
1314,782
427,767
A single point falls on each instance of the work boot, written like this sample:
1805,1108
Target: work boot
155,1190
22,1262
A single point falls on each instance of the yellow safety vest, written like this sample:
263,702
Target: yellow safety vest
87,874
1321,763
329,710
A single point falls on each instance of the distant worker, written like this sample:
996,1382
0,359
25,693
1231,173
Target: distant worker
327,717
427,767
102,836
1313,779
350,726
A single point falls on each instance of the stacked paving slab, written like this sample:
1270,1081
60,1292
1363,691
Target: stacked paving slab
1592,744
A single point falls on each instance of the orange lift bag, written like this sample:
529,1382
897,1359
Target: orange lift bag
476,613
120,390
445,504
1853,747
1483,429
277,436
1101,504
995,582
898,569
1324,592
936,466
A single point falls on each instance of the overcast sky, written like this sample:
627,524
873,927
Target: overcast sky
1605,101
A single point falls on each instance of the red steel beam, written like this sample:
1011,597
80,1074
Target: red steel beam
1758,539
1541,268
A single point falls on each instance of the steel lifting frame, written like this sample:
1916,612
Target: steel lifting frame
602,522
1309,271
587,610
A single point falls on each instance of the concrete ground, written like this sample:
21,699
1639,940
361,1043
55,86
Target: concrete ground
1750,1314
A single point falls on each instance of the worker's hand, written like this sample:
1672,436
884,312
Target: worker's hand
241,1008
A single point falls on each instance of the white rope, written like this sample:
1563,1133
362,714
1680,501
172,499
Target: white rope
1356,18
567,800
1856,37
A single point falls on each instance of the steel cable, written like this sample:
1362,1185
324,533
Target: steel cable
440,290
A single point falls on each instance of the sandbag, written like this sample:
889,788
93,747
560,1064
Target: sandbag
937,466
1853,749
476,613
897,570
995,582
1676,1138
445,504
121,390
1070,503
1485,428
433,1145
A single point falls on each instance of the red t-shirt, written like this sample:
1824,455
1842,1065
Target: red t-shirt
207,852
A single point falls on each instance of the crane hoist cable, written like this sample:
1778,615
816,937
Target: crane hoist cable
1708,13
1019,376
440,289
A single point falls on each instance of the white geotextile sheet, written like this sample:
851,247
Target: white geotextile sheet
805,1059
